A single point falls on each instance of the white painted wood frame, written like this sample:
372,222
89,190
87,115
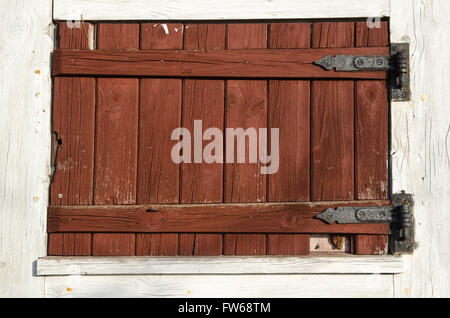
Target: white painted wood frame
26,42
217,10
420,151
124,265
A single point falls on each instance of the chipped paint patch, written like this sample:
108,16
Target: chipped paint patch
423,97
166,29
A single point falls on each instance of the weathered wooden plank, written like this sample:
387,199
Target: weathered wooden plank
159,114
25,167
228,286
289,111
332,122
216,10
369,244
73,128
295,217
161,36
246,107
116,139
314,264
420,144
157,244
248,63
203,100
371,129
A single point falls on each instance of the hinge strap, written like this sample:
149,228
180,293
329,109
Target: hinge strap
399,215
397,63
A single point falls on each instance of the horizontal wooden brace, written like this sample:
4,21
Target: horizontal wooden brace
295,217
249,63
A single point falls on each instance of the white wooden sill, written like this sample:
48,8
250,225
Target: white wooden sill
190,265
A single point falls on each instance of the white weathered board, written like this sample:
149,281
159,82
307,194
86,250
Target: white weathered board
26,41
421,143
345,264
281,285
217,9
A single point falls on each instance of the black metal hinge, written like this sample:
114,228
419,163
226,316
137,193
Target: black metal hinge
399,215
397,63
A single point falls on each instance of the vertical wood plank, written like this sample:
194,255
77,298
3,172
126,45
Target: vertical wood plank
116,139
332,122
246,107
159,115
371,138
371,244
156,36
203,100
289,110
73,129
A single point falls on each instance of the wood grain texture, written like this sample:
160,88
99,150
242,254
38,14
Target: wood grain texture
25,129
116,139
208,218
332,140
159,115
332,122
369,244
371,129
235,63
317,264
117,36
161,36
216,10
289,111
420,144
246,107
227,286
73,129
69,244
203,100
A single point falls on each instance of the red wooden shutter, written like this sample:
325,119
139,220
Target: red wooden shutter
116,191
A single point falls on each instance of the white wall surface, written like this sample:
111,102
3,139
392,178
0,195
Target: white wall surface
421,143
26,40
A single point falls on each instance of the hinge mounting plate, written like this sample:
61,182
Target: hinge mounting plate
397,63
399,215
